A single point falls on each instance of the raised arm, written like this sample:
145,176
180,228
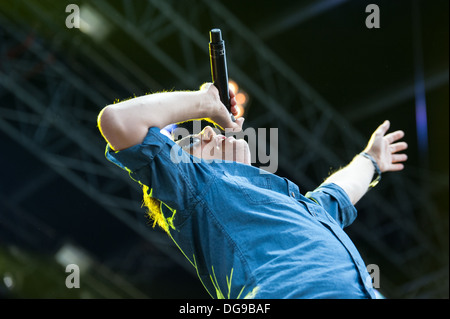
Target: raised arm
126,123
356,177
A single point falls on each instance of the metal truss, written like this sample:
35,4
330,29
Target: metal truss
49,118
391,217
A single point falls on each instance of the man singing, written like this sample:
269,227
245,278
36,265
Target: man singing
248,234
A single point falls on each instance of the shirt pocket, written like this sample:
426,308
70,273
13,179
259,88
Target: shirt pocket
255,189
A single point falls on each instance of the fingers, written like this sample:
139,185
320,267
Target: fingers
394,136
233,101
233,108
398,147
231,126
396,167
391,137
383,128
232,94
238,124
396,158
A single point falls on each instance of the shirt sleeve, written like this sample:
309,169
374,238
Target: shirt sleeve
173,176
336,203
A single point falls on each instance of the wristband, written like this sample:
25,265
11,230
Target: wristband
377,169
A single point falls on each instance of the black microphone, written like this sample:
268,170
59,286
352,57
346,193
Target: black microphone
219,71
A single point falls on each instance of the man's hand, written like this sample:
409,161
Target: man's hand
384,148
216,111
355,178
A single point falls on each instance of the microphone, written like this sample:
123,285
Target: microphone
219,71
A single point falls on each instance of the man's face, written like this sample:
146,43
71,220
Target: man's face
209,145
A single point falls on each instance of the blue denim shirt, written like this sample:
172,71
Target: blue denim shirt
250,235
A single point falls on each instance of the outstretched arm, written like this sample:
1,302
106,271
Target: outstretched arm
356,177
126,123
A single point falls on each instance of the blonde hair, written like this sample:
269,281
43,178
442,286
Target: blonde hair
154,212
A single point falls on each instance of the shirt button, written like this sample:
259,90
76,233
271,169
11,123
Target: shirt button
293,194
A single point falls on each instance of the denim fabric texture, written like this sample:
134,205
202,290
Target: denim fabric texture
251,235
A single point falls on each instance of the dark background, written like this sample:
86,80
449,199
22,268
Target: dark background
312,69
